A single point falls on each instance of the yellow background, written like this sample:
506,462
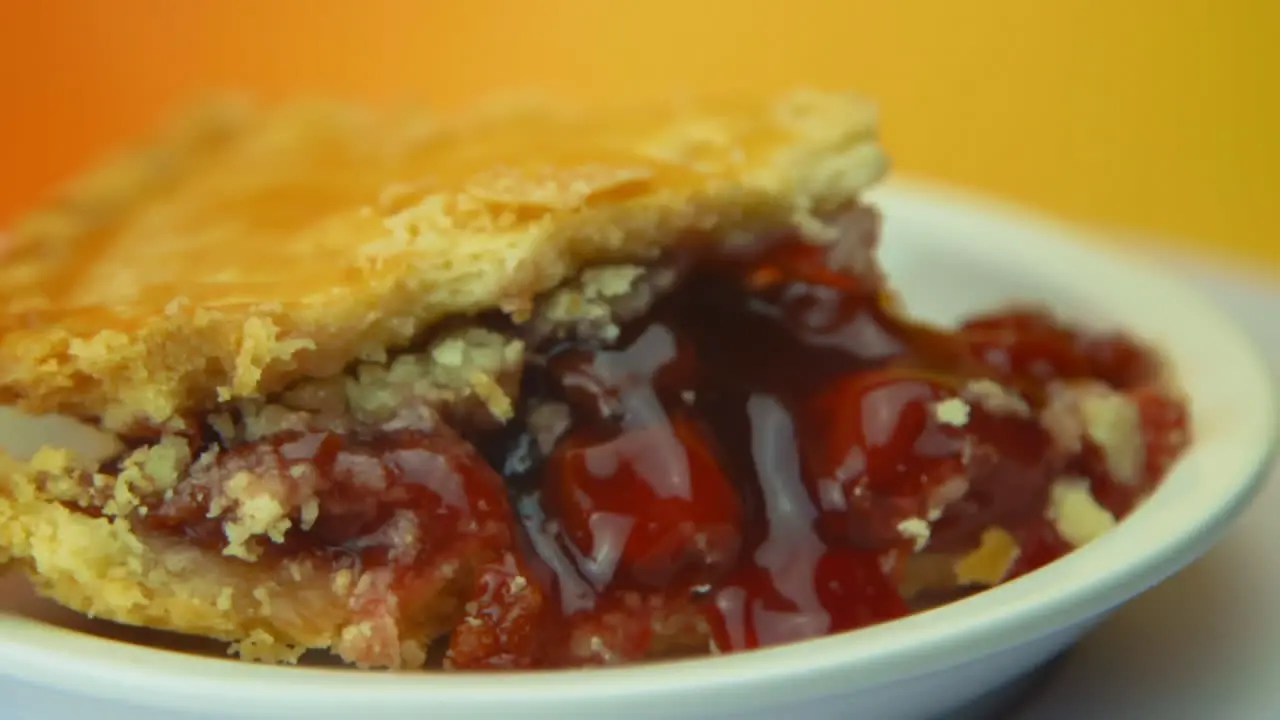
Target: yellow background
1155,115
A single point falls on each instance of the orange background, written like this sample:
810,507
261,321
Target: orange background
1156,115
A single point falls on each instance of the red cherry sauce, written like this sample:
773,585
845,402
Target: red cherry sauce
1029,349
747,452
742,466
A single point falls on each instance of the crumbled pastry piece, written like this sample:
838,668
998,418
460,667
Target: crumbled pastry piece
1106,417
988,564
916,530
148,471
472,372
1075,513
247,250
1112,421
996,398
925,573
603,297
470,376
953,411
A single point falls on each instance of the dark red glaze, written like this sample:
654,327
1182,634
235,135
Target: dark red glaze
1032,345
789,264
801,416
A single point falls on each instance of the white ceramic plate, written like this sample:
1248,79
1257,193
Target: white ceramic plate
1206,643
949,257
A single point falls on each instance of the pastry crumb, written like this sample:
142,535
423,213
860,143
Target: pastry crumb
952,411
1076,514
989,564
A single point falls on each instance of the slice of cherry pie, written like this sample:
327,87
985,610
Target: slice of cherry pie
534,389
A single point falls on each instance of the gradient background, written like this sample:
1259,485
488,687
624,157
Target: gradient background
1161,116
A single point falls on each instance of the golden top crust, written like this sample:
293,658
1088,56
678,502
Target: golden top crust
248,248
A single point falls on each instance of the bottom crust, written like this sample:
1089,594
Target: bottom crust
102,568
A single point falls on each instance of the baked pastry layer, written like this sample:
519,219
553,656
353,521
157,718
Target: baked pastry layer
249,248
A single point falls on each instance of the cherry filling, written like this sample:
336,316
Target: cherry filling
747,463
883,452
647,507
761,446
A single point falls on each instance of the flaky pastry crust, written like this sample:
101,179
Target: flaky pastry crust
250,248
267,263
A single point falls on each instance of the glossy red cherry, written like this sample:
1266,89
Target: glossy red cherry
645,507
875,451
1033,345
